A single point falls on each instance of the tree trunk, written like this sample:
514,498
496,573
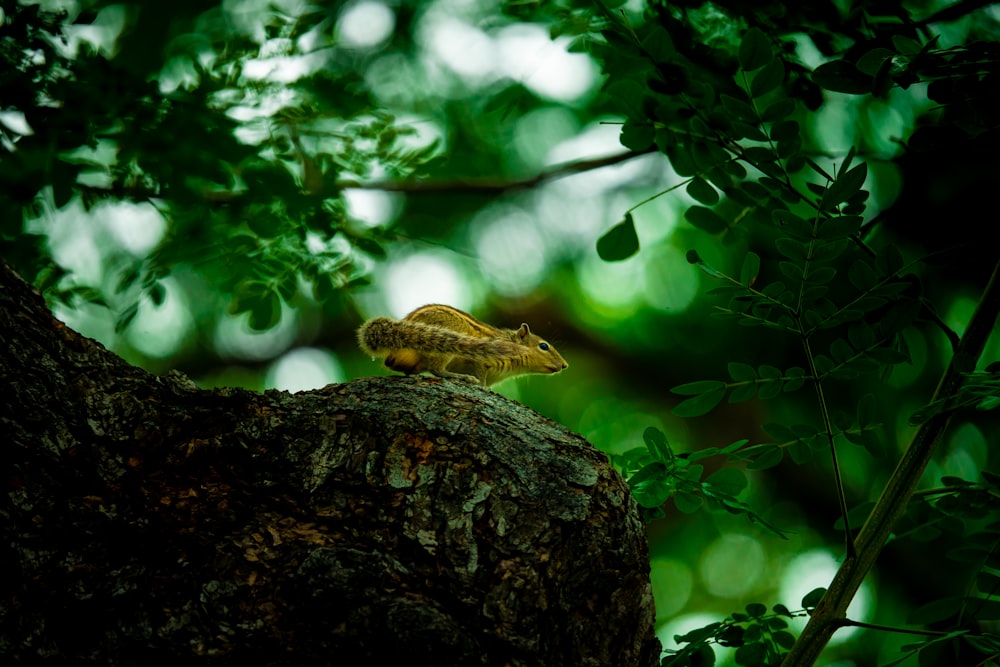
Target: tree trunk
144,520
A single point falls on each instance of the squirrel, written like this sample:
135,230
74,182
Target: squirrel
450,343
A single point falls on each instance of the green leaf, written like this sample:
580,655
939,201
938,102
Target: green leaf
658,45
871,62
734,446
702,192
651,471
936,611
688,502
700,404
750,655
905,45
705,219
842,77
678,153
627,95
731,481
840,226
769,457
983,609
988,583
760,157
637,136
781,610
703,454
265,311
743,392
791,223
755,50
822,275
862,276
769,78
708,155
778,110
785,130
792,249
795,378
651,492
749,270
769,390
742,372
126,317
657,444
755,190
845,186
812,598
738,108
157,293
699,387
620,242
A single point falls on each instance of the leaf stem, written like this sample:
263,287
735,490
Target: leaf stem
828,427
848,623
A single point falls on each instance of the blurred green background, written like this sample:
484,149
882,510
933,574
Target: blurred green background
230,188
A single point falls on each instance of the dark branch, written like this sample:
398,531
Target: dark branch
485,186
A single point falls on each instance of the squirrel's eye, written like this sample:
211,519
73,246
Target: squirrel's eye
544,346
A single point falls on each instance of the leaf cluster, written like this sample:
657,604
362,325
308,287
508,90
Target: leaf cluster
730,120
251,190
760,638
656,474
981,391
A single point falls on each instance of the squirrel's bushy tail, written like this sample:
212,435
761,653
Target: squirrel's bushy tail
381,335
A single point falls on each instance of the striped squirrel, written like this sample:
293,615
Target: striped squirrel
450,343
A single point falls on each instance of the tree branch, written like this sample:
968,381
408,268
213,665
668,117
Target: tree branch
145,521
484,186
498,186
832,609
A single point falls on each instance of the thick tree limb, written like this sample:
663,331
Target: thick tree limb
144,520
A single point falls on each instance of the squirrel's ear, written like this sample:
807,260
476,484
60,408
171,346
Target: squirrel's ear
524,331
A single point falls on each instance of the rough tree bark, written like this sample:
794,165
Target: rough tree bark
144,520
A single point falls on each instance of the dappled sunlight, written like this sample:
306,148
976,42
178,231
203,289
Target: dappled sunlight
365,24
304,368
614,424
671,284
538,130
815,569
543,65
159,331
732,565
672,581
137,228
460,47
372,207
424,277
234,338
965,453
512,247
617,287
